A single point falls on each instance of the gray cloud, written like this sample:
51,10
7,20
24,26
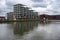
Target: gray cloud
2,12
7,5
37,0
57,0
4,8
56,7
54,11
50,12
40,5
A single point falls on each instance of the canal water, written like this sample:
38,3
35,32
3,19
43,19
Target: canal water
30,31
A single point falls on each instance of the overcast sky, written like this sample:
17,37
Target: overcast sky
41,6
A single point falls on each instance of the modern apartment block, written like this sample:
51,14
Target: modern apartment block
22,12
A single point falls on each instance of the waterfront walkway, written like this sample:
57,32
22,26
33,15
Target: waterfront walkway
54,20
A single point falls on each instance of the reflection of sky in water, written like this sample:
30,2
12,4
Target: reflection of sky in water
42,32
45,32
5,32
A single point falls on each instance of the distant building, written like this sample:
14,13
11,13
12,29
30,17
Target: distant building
10,16
2,18
49,17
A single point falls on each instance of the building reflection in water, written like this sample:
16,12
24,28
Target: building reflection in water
21,28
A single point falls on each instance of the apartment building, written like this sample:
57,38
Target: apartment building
21,12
